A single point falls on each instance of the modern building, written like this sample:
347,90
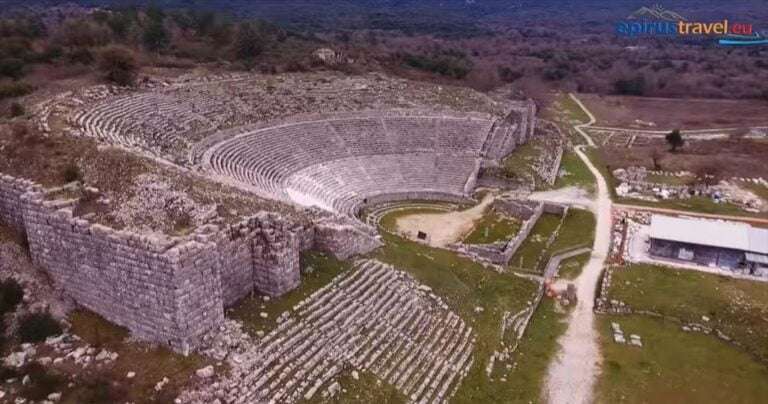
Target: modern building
712,243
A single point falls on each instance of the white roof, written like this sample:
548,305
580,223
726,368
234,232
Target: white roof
758,240
733,235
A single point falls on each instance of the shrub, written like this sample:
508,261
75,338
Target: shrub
81,55
19,130
119,65
8,373
42,382
155,36
554,73
101,390
12,67
36,327
17,110
509,75
675,140
249,41
11,294
81,33
633,86
72,173
450,64
15,89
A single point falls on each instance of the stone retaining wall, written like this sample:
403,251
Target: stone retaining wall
11,206
500,253
170,290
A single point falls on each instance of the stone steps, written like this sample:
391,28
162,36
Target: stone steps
372,318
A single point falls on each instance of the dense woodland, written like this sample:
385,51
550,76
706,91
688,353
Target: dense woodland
480,44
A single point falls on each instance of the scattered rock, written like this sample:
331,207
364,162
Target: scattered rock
205,372
15,359
159,386
355,375
334,389
130,375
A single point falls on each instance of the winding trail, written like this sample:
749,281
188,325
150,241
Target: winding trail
572,375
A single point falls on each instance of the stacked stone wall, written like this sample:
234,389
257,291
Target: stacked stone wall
11,205
344,237
236,272
161,291
170,290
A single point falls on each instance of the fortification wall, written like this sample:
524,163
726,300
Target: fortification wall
11,205
162,290
345,237
170,290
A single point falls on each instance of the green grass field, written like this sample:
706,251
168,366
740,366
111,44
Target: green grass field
465,285
537,349
759,190
571,268
518,165
527,255
675,367
578,173
566,113
249,309
578,230
738,308
493,227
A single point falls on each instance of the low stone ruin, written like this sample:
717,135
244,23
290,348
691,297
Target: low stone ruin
634,184
501,252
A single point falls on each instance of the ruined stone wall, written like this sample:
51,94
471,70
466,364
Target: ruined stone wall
515,208
345,238
416,196
235,246
170,290
516,128
11,205
525,230
161,291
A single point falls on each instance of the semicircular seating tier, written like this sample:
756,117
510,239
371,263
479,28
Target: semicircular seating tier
341,163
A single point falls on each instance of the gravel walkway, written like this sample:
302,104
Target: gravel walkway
573,373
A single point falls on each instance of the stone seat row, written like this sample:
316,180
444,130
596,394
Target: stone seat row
375,318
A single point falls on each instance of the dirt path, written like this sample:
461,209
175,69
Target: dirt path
444,228
572,375
568,196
